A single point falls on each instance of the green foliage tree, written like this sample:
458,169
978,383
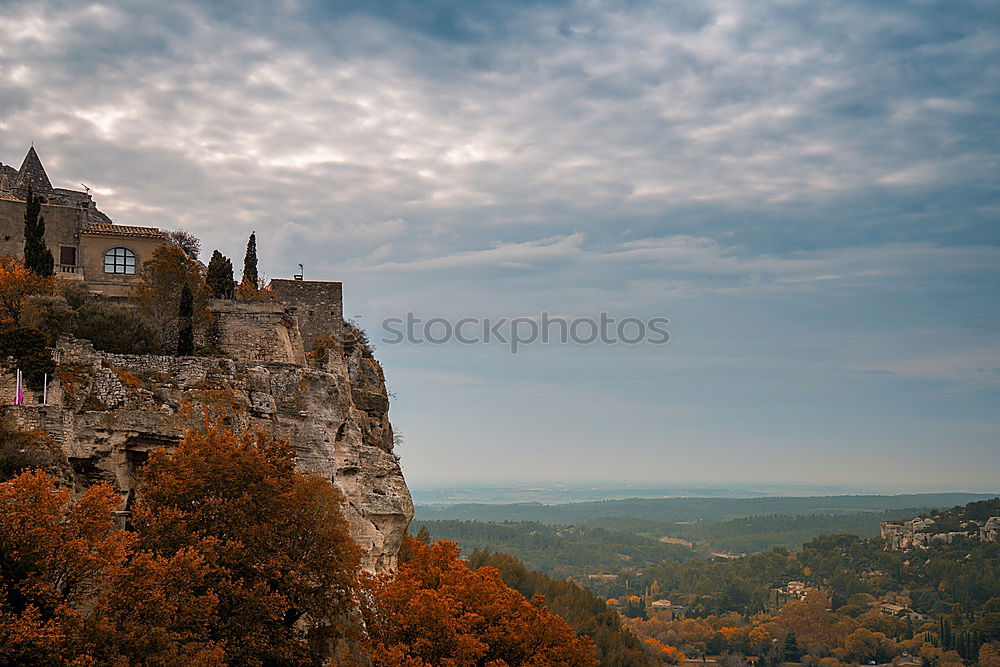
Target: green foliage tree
250,275
37,256
187,242
185,334
790,650
220,276
29,348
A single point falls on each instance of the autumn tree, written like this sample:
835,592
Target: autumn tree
989,655
37,256
436,611
220,276
156,610
275,544
17,283
56,556
158,293
75,591
663,653
816,628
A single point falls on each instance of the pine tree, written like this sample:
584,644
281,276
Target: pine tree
220,276
185,336
37,256
250,263
791,648
424,535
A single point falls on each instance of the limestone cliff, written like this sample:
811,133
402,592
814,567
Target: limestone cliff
108,411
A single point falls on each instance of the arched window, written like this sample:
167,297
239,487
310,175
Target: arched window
119,260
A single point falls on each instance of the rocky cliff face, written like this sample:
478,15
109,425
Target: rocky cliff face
109,411
920,534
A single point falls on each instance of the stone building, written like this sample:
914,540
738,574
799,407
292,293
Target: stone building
84,242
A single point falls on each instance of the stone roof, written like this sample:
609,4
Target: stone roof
124,230
32,173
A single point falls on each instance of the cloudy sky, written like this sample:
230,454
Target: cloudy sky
807,190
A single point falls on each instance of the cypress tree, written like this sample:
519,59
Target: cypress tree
791,652
220,276
250,263
37,256
185,335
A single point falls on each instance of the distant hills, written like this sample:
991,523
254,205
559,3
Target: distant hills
692,509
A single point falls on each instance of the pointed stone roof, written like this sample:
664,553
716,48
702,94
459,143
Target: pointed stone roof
32,173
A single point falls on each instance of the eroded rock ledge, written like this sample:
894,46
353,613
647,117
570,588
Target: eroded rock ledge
108,411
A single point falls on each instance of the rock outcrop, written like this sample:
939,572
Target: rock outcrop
108,411
920,533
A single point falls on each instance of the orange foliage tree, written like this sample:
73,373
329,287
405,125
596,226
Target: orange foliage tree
436,611
158,292
274,542
663,653
817,628
236,558
17,283
56,556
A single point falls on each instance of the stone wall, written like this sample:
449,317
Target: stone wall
317,305
256,331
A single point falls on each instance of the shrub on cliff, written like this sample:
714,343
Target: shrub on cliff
17,283
110,326
118,328
22,450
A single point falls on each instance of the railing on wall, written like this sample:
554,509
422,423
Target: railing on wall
66,268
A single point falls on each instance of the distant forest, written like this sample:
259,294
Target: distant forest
622,545
757,533
690,509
